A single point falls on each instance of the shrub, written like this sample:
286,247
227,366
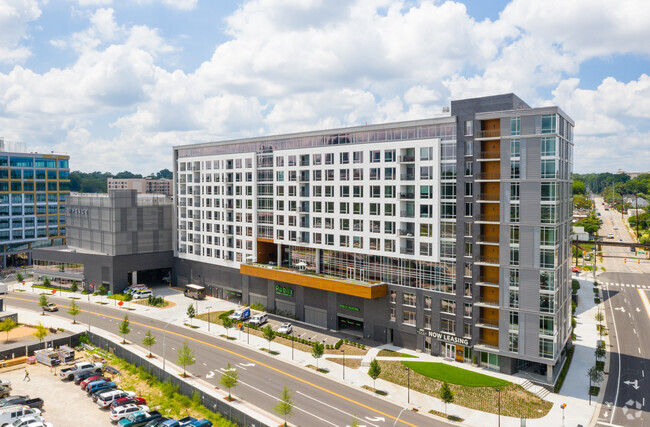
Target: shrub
565,369
338,344
258,306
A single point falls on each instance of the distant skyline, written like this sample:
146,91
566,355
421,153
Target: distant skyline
117,83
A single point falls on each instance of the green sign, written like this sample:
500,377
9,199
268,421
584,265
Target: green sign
284,290
349,307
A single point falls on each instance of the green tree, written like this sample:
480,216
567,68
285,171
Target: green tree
579,187
595,377
600,352
7,326
185,356
229,379
164,173
74,287
269,334
125,328
47,282
374,371
317,352
581,202
446,395
74,311
19,277
41,332
149,340
599,317
43,302
102,290
284,407
191,312
227,323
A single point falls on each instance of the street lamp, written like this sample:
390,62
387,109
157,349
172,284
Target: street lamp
408,382
400,414
208,309
343,351
499,391
563,406
164,336
291,335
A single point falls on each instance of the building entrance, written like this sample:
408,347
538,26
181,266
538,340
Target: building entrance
350,326
449,351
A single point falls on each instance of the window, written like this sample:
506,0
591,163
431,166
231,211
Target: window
468,209
514,191
468,289
448,171
514,298
549,123
546,348
549,214
467,311
468,249
514,234
547,258
389,174
514,321
426,172
549,144
467,330
344,158
546,325
408,317
448,306
393,296
448,326
469,168
408,299
344,174
515,126
469,128
391,314
316,159
514,212
375,156
329,158
546,303
549,191
427,321
546,280
515,146
549,168
357,157
448,191
514,256
515,169
389,155
469,189
447,210
513,342
375,174
426,153
344,191
427,303
469,148
547,236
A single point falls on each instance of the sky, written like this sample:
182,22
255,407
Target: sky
117,83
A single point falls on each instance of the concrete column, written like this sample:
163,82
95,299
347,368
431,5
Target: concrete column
279,254
29,258
4,261
319,255
134,278
549,373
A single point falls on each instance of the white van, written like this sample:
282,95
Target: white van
142,293
259,319
9,414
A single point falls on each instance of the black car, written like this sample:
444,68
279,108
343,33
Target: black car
80,377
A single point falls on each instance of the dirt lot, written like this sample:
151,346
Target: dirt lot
65,403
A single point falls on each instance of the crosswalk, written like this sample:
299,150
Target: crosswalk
626,285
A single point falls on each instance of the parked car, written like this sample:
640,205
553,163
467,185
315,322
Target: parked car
128,400
241,314
132,288
36,402
575,270
89,381
9,414
101,385
126,410
610,235
259,319
81,377
158,422
177,423
31,421
139,419
80,368
5,390
140,294
286,328
199,423
104,400
50,307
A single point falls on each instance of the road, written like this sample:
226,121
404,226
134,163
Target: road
318,400
626,292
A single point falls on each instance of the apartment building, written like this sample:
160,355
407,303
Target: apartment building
141,185
449,235
33,188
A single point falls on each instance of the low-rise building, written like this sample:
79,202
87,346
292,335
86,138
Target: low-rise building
141,185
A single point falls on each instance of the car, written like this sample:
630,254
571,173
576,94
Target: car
610,235
50,307
81,377
575,270
139,419
90,380
143,293
259,319
615,227
128,400
286,328
31,421
105,400
126,410
620,240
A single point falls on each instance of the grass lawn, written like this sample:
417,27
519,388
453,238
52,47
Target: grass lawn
391,353
454,375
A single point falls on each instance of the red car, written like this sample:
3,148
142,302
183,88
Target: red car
88,380
126,400
575,270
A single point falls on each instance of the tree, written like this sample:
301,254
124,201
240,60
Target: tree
269,334
41,332
446,395
47,282
284,407
74,287
101,290
595,377
43,302
600,352
229,379
124,328
19,277
579,187
191,312
185,357
148,341
165,173
227,323
374,371
317,352
7,326
74,311
581,202
599,317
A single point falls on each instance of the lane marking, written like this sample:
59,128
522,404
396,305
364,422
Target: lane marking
644,300
333,407
618,348
234,353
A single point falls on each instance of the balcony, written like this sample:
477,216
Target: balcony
488,176
407,214
407,158
489,197
408,177
484,322
491,133
489,155
489,345
487,283
488,218
407,196
487,302
488,238
487,260
406,233
196,240
406,251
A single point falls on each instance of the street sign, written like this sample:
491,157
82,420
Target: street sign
239,325
53,291
121,303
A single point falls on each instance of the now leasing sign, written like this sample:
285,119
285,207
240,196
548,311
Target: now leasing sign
443,336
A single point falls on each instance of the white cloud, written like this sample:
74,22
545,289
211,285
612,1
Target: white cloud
93,3
15,16
184,5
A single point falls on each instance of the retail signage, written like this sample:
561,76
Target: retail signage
284,290
349,307
75,211
443,336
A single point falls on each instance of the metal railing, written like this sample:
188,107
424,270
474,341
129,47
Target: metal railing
488,301
489,238
488,217
487,321
488,175
490,155
490,133
489,197
487,259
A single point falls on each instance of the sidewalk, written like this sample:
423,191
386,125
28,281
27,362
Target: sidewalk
574,391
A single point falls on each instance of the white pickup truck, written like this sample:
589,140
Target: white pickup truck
80,368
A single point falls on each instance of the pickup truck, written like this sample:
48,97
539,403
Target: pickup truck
177,423
96,389
22,400
139,419
80,368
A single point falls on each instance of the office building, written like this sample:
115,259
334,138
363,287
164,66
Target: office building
141,185
33,188
449,235
113,240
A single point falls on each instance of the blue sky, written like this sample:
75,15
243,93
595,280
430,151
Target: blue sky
117,83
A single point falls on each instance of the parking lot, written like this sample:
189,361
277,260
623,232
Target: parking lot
65,404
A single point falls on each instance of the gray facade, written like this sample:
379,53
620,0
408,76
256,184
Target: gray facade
110,239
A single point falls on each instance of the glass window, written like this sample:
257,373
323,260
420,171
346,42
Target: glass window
513,342
547,236
549,146
546,303
514,191
547,280
469,168
514,256
514,212
469,127
546,348
448,326
514,234
448,306
549,191
515,146
408,317
389,155
316,159
24,162
547,258
514,321
515,126
514,298
548,123
549,168
408,299
515,166
546,325
469,148
549,214
426,153
427,303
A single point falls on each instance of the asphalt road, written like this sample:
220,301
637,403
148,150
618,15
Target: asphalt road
318,400
626,291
